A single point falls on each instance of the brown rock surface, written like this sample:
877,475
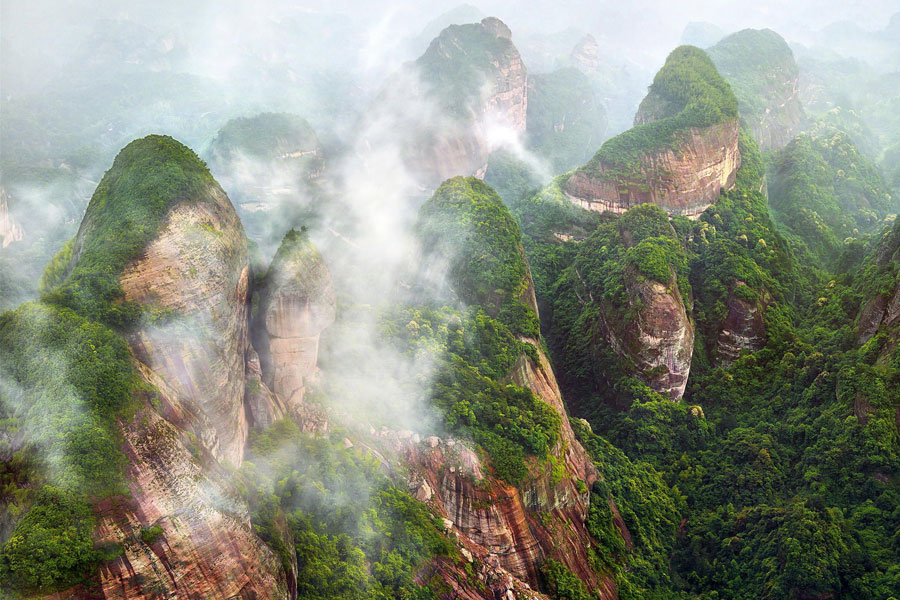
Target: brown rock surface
206,548
683,181
196,272
296,303
454,138
744,327
10,230
661,339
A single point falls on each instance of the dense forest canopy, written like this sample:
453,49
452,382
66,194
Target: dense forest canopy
311,370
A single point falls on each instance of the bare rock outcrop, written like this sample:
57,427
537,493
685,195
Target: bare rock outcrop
681,152
683,180
184,529
744,327
469,81
296,303
660,340
586,54
10,230
195,274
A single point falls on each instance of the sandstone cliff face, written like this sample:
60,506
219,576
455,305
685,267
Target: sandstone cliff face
878,312
184,530
10,230
761,69
586,54
205,547
661,339
744,327
453,139
685,180
296,303
510,530
197,272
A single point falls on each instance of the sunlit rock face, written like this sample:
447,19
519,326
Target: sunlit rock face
465,96
661,339
10,230
184,528
744,327
296,303
684,180
205,544
681,152
195,274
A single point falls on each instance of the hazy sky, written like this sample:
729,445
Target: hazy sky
38,35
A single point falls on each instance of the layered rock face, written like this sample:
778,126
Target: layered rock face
196,271
760,67
10,230
586,54
510,530
618,314
184,530
661,339
472,80
681,152
296,303
205,546
882,310
685,180
744,327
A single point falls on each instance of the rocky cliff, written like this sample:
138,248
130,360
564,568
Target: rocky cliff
183,528
682,151
684,180
295,304
661,340
744,327
470,80
196,273
623,308
513,527
881,311
10,230
760,67
586,54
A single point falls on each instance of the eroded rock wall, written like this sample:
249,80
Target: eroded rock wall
684,180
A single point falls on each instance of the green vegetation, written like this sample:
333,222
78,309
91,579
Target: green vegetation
459,62
51,546
824,191
356,535
149,535
148,177
562,584
565,120
65,381
759,66
593,292
67,376
687,92
263,136
475,353
649,509
510,177
466,224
